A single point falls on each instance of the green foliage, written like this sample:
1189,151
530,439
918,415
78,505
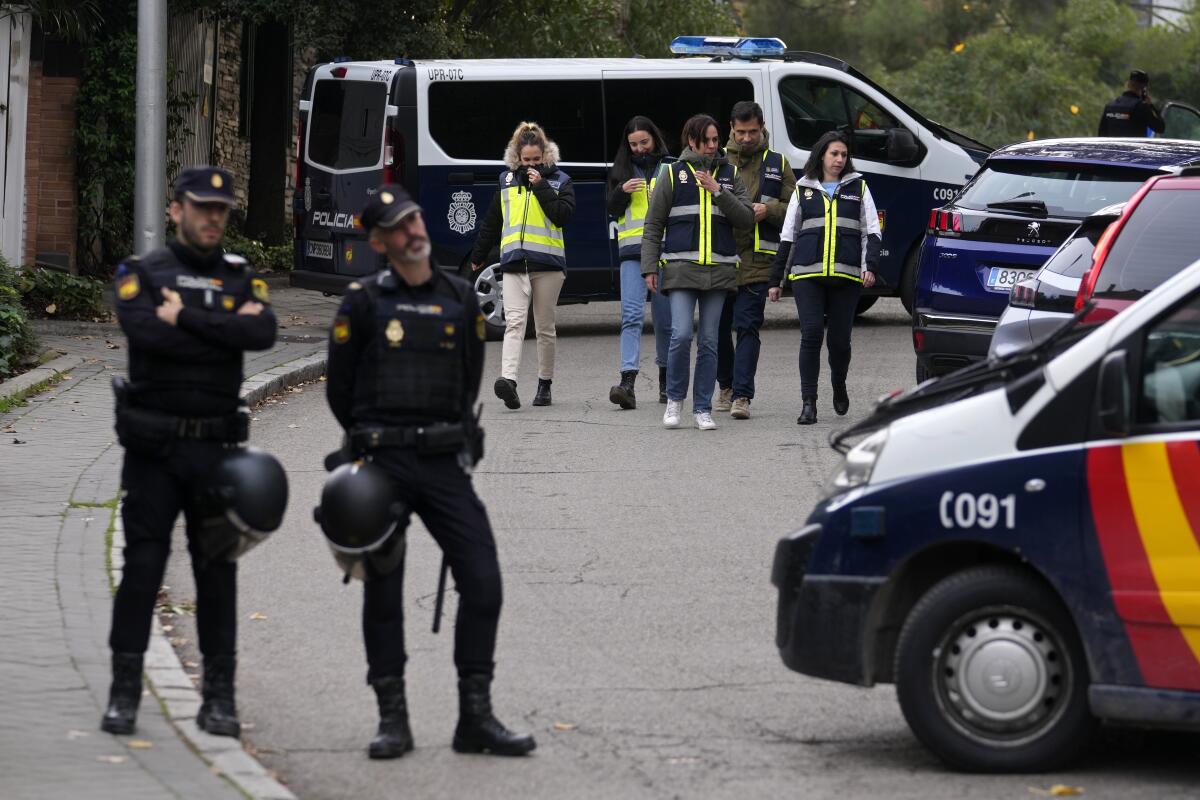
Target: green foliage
17,341
71,19
61,295
263,257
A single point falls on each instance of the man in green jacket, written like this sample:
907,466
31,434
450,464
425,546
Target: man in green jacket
769,183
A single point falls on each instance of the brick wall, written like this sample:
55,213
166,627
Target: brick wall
50,185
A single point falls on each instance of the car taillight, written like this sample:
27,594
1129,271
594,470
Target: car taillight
945,223
393,157
1024,293
338,72
918,341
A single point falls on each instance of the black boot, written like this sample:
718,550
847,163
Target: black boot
841,399
125,694
542,398
506,390
622,394
218,714
394,737
808,412
478,730
662,385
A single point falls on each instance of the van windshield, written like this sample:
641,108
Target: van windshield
345,126
1067,190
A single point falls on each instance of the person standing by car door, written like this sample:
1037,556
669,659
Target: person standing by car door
769,180
535,201
828,252
696,204
631,179
1133,113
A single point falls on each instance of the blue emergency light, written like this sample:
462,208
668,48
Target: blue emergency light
341,59
728,46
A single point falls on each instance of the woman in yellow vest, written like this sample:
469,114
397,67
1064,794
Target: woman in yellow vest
828,252
534,201
630,180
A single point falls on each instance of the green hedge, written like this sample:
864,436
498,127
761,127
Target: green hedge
17,342
61,295
263,257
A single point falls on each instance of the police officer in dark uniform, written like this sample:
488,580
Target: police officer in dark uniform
405,364
1133,112
189,311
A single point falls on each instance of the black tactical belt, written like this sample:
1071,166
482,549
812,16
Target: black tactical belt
228,428
436,438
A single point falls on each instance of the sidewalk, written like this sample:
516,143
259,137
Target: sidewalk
59,480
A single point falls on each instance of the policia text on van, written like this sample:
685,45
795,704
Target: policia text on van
364,123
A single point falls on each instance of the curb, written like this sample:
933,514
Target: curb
15,387
165,675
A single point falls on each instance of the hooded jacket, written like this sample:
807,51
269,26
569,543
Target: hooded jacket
688,274
756,267
558,203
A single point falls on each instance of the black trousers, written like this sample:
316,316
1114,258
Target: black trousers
826,307
156,490
437,490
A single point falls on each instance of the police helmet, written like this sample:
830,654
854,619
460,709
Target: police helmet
363,520
245,499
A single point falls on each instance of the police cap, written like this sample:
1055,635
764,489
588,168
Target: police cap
1139,76
388,208
205,185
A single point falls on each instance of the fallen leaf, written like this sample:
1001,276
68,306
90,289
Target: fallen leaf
111,759
565,726
322,378
293,426
168,628
193,665
50,309
112,346
19,441
73,734
258,615
1057,790
140,744
683,760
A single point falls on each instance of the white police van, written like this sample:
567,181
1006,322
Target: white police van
440,128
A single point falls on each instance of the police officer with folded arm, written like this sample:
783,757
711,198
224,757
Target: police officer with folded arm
405,364
189,311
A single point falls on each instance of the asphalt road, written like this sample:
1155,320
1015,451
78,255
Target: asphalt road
636,640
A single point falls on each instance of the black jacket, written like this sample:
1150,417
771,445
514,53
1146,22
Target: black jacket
558,205
192,368
618,198
1130,115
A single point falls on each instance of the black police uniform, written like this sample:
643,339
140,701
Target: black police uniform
177,418
1130,115
404,369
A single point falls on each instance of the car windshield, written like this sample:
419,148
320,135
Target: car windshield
1069,190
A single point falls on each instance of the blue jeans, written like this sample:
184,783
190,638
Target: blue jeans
633,314
683,304
743,313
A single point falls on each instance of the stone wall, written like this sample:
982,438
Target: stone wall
231,150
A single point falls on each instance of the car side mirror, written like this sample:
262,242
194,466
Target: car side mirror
902,146
1112,407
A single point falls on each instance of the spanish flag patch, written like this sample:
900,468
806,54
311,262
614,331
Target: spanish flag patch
258,287
341,329
128,287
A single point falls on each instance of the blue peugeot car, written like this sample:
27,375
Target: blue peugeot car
1000,229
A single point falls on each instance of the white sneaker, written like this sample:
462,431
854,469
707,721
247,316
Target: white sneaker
704,421
671,415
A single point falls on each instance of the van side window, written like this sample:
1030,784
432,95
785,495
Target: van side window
346,124
670,102
1170,392
815,106
473,120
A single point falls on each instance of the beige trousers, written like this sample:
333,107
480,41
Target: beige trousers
520,289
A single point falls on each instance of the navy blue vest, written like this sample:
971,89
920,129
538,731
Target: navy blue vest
697,230
827,239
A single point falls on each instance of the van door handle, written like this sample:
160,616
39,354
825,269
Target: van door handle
462,177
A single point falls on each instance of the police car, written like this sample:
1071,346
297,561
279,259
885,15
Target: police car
439,128
1017,546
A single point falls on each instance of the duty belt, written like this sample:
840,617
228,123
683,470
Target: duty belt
228,428
435,438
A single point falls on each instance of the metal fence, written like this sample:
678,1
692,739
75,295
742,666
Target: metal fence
191,109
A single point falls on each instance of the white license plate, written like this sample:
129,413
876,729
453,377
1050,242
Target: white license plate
1001,279
319,250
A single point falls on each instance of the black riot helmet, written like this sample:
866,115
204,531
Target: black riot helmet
363,520
244,501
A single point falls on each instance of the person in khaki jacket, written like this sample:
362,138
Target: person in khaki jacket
769,183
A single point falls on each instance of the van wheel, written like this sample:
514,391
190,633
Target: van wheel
991,676
908,278
490,295
864,304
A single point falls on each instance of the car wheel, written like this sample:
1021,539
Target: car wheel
490,295
864,304
990,673
908,278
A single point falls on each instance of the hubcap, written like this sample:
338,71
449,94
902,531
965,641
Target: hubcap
1002,677
490,295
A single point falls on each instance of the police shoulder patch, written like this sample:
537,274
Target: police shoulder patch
128,286
341,329
258,288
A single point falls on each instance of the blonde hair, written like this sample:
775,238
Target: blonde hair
529,134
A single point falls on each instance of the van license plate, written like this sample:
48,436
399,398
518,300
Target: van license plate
322,250
1003,280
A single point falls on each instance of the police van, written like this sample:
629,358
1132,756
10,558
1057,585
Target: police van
440,128
1017,546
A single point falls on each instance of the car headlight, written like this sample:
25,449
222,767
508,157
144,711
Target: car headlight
856,467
